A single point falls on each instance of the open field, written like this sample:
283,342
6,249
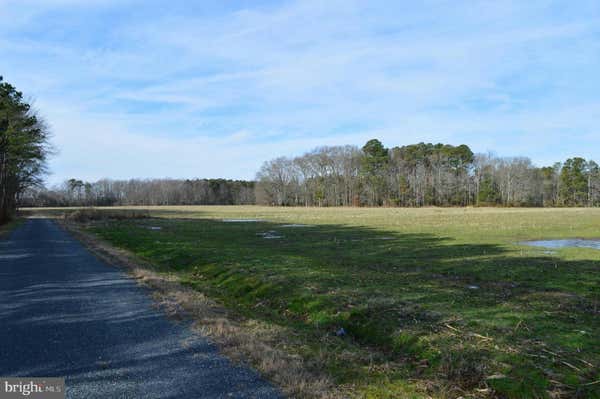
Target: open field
399,302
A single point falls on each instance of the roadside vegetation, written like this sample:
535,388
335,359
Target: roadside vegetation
396,302
6,228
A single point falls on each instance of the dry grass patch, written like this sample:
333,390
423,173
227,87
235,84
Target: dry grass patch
86,215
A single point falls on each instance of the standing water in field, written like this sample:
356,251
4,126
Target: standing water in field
242,220
567,243
270,235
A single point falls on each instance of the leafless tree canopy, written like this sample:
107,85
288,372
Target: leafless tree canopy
108,192
423,175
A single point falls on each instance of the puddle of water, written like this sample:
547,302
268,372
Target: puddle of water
241,220
270,235
568,243
155,228
295,225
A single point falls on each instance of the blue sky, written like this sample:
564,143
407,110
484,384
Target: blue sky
142,88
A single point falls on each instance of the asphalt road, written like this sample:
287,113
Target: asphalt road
65,313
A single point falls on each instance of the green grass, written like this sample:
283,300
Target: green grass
398,282
6,228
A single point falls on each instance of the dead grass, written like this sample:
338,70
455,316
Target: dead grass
240,339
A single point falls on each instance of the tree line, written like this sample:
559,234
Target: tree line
107,192
423,174
415,175
23,148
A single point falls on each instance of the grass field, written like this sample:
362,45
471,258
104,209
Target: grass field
399,302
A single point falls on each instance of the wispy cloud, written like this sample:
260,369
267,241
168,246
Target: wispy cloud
136,88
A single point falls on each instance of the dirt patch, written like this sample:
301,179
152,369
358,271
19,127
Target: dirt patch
242,340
